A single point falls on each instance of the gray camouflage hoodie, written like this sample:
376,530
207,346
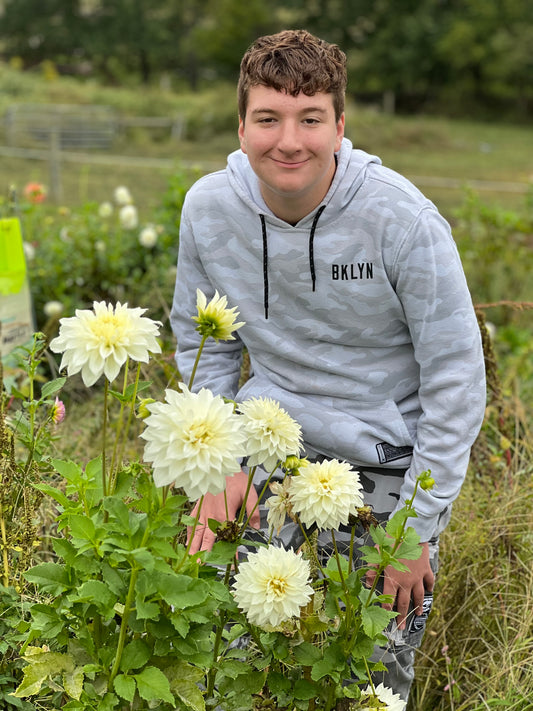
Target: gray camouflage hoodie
358,319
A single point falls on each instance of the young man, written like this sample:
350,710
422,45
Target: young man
358,317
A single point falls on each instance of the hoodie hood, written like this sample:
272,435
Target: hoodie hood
349,176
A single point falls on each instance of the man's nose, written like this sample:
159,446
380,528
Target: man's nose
289,137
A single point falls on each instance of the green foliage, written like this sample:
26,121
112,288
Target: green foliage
123,616
81,256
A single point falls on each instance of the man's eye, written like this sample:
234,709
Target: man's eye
311,121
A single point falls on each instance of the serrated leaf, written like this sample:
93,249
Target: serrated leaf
331,663
189,694
307,654
125,686
375,619
50,577
135,655
97,593
153,685
73,682
181,591
81,527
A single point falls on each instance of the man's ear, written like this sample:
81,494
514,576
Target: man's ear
241,135
340,133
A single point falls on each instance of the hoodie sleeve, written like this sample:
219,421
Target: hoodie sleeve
430,282
220,363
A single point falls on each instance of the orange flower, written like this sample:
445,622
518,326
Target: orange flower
35,192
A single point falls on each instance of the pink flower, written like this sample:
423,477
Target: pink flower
35,192
58,411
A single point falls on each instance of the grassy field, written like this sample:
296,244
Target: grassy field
440,156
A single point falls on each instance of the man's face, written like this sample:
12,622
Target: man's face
290,142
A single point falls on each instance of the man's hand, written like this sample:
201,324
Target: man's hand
404,587
215,507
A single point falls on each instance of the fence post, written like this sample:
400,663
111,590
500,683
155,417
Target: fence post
54,163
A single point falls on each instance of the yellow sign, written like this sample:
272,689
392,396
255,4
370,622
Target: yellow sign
16,311
12,260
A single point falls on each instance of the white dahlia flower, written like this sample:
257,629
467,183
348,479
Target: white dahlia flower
128,217
326,493
214,318
99,342
122,195
272,586
272,433
194,440
382,699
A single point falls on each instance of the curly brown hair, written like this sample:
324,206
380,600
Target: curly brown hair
293,61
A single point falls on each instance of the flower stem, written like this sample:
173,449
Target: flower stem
125,616
5,559
104,437
200,349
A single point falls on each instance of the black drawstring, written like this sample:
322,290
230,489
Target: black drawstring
265,255
265,265
311,240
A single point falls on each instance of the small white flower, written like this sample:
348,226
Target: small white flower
99,342
123,196
53,309
214,318
100,245
29,251
64,235
148,237
326,493
105,210
279,504
128,217
272,586
194,440
389,700
272,433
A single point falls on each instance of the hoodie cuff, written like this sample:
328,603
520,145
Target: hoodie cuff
425,526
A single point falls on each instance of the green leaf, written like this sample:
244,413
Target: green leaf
307,654
97,593
81,527
410,548
108,702
332,662
181,591
375,619
50,577
46,620
305,690
278,683
55,494
135,655
233,668
52,387
70,470
41,665
189,694
125,686
153,685
73,682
